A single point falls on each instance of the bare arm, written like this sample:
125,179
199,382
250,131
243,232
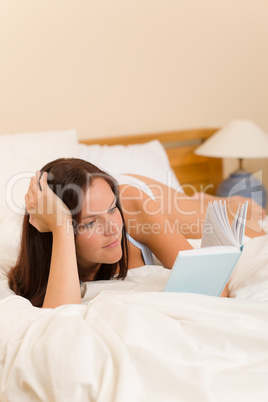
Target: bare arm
63,282
146,223
49,214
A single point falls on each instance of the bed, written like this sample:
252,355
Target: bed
129,340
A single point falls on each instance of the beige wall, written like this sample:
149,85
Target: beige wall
114,67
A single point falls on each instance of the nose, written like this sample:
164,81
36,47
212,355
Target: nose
110,227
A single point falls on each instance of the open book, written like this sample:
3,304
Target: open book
206,270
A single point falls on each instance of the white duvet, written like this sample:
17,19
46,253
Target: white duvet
131,342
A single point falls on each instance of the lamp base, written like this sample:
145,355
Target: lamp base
245,184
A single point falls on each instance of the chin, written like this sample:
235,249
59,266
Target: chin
115,257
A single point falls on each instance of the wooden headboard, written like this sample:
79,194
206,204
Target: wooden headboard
195,173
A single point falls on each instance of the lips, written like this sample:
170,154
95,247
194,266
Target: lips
113,244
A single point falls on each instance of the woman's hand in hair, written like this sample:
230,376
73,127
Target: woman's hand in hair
47,211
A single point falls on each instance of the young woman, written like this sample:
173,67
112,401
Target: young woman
80,225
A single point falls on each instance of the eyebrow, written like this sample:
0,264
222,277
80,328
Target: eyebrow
101,212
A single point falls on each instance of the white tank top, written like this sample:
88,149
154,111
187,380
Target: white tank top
147,255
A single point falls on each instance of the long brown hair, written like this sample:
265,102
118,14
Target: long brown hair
29,277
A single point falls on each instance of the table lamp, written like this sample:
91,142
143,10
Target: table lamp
240,139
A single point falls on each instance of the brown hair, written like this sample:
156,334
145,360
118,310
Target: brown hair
29,277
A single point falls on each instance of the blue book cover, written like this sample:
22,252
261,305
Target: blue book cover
206,270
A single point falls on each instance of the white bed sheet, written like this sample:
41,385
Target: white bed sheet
129,341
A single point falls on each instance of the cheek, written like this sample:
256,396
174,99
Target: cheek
86,242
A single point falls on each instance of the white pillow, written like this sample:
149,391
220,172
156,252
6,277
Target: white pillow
21,155
149,159
10,238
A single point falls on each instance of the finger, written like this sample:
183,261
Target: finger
32,187
31,195
42,179
31,219
33,222
31,211
35,180
26,199
30,205
39,174
33,184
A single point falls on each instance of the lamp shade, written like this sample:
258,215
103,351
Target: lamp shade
239,139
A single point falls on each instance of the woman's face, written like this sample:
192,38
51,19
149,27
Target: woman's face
99,232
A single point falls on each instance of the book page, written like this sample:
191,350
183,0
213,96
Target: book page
243,223
220,210
217,230
239,223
